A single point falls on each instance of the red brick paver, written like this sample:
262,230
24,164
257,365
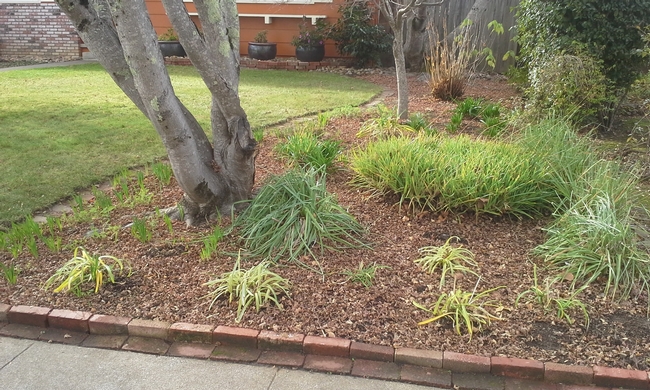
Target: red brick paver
377,370
619,377
235,353
460,362
28,315
154,346
427,376
231,335
562,373
191,350
330,364
329,346
372,352
282,358
518,368
280,341
190,333
148,328
108,325
114,341
4,309
76,321
418,357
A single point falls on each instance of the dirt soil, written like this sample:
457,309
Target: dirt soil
168,274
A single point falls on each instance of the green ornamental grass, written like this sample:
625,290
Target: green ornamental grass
293,215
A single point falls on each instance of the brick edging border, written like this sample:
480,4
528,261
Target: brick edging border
268,347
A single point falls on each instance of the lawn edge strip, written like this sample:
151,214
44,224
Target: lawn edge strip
209,337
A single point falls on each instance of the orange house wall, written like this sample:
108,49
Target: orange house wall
281,30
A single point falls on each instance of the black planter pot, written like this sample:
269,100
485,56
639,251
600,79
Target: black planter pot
262,51
171,48
310,54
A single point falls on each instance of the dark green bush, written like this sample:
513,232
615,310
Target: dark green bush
607,29
357,36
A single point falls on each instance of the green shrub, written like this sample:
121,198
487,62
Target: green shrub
455,174
257,285
308,150
606,30
569,85
293,213
357,36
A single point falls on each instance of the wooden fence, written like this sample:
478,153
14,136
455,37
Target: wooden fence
453,12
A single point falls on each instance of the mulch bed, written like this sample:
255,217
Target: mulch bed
168,273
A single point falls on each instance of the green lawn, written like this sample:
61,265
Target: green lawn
66,128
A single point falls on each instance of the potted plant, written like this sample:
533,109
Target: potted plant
169,44
310,42
261,49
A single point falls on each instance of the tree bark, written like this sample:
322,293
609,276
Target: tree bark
120,34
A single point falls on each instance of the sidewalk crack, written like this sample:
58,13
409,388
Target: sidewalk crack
16,357
277,369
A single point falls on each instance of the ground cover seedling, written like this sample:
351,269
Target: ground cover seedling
257,285
364,274
464,309
294,213
140,230
10,272
162,172
211,243
448,258
546,297
87,268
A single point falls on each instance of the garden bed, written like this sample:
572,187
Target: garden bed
168,273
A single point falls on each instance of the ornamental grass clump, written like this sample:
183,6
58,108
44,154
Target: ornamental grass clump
87,268
294,216
307,149
448,258
465,309
257,285
457,173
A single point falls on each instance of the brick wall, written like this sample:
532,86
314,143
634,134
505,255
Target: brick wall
36,31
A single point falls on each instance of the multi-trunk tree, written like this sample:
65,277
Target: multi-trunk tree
216,176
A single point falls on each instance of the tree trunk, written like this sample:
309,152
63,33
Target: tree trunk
122,37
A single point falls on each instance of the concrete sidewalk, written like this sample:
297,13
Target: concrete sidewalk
28,364
48,65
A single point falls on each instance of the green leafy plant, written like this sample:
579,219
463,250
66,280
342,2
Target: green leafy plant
454,122
385,124
448,258
162,172
464,309
470,107
356,35
10,273
140,230
310,37
364,274
257,285
418,122
294,213
308,150
258,134
86,268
